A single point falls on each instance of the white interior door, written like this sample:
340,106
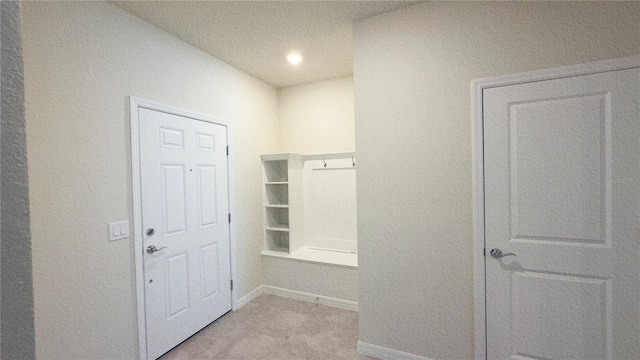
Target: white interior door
562,192
184,191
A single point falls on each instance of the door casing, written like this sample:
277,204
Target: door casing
477,87
137,232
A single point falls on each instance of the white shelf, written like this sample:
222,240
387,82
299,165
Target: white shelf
278,250
277,195
345,155
277,217
281,177
318,256
277,229
276,171
282,156
277,241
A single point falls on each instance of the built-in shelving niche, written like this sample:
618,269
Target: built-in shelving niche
277,218
277,240
277,194
309,207
276,171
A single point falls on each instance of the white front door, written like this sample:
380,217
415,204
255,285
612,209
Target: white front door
562,192
185,208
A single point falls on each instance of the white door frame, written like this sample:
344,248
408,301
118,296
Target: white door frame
477,87
138,249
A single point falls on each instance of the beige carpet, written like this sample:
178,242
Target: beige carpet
273,327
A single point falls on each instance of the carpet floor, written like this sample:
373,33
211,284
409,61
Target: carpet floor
273,327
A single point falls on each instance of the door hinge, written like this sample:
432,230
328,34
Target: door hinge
232,285
484,251
227,150
229,218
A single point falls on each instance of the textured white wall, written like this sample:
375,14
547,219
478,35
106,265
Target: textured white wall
318,117
82,59
332,281
412,72
17,339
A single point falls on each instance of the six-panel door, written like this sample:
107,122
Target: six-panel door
185,202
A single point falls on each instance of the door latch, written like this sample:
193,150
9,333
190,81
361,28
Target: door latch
153,249
497,253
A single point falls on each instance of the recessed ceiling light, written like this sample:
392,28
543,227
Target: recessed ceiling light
294,58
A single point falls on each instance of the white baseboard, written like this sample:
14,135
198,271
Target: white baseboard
386,353
250,296
320,299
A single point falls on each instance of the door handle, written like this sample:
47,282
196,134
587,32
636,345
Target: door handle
153,249
497,253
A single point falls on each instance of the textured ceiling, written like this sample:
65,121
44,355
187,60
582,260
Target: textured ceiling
256,36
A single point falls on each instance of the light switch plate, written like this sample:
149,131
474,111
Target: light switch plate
118,230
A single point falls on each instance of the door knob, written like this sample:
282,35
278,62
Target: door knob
497,253
153,249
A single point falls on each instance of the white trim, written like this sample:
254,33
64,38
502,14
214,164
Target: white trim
232,210
384,353
478,166
480,337
136,230
5,205
329,156
247,298
134,105
625,63
303,296
281,156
